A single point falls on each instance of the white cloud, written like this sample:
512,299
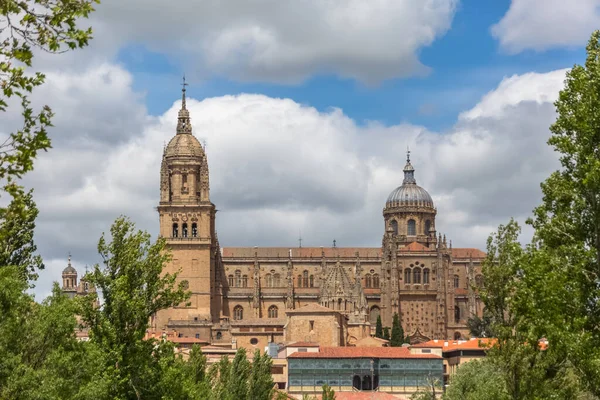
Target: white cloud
282,41
279,168
543,24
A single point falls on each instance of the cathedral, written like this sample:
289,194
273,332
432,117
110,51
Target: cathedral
251,297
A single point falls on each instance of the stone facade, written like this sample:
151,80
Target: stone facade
246,296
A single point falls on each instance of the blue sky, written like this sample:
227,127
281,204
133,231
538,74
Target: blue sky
465,63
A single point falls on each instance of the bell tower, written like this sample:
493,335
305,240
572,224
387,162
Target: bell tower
187,222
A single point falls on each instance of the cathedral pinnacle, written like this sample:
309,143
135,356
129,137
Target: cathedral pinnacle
184,125
409,171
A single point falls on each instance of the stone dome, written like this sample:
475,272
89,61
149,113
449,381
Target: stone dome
412,195
409,194
184,144
69,270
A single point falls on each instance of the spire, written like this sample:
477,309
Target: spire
409,171
184,125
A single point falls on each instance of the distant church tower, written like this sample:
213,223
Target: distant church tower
187,221
416,265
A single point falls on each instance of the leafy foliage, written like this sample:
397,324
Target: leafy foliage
477,380
134,289
567,227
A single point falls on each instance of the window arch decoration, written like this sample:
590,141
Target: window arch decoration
245,281
456,281
299,280
230,279
238,278
175,230
376,281
276,280
273,311
305,279
238,313
407,274
426,276
194,229
368,282
268,280
311,281
456,314
373,314
427,227
394,226
411,227
184,230
417,275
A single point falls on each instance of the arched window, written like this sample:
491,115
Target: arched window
376,280
479,281
373,314
238,278
238,313
456,281
245,281
305,279
368,282
407,273
417,275
311,281
426,276
230,278
299,280
457,336
268,280
273,312
411,227
194,230
394,226
276,280
219,335
427,227
175,230
456,314
184,231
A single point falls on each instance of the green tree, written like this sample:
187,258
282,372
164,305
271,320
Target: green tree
386,333
17,225
133,289
567,227
477,380
260,386
237,385
328,393
481,327
397,332
379,328
431,390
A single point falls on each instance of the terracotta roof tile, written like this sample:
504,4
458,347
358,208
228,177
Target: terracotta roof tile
452,345
468,252
362,352
304,252
414,246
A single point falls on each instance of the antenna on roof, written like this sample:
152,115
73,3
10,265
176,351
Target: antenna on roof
299,239
334,242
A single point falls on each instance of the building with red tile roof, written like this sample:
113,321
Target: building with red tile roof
394,370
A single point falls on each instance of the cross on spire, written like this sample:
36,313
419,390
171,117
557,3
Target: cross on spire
183,89
407,154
